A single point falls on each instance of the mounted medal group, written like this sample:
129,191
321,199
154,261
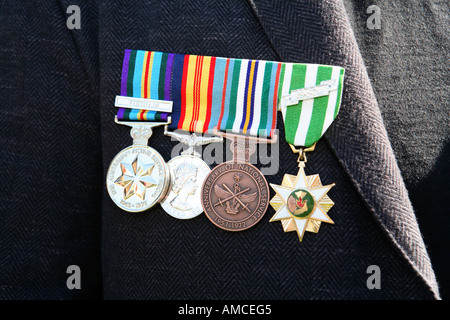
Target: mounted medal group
201,100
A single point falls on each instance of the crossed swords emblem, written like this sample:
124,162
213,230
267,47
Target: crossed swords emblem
235,201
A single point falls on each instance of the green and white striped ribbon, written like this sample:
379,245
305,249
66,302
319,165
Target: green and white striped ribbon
310,98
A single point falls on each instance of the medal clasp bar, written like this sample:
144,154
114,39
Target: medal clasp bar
141,131
243,146
143,104
323,89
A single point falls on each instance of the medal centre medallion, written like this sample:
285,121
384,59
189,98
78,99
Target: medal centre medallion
300,203
235,196
137,178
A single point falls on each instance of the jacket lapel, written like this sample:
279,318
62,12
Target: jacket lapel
319,32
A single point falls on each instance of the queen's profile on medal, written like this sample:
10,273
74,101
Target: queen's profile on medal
185,185
187,175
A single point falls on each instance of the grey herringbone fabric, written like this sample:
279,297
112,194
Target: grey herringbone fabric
55,151
407,60
50,152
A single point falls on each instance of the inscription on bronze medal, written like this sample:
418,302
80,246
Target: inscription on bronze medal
235,196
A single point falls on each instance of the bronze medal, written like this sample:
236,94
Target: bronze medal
235,194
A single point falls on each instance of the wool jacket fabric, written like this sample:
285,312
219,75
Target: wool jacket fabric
407,63
57,138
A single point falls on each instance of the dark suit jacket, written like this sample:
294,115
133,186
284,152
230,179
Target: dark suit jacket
57,138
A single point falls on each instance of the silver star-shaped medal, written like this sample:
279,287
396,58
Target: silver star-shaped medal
135,178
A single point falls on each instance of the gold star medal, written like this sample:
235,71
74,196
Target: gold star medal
309,103
301,202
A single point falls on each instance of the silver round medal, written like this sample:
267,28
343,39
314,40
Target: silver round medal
187,174
137,178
